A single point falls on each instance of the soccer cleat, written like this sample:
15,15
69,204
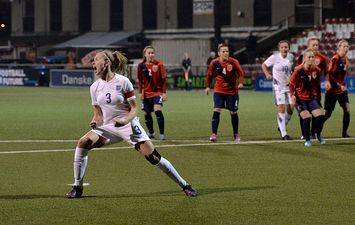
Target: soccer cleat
189,191
286,137
307,143
161,137
345,135
76,192
236,138
151,135
321,139
213,137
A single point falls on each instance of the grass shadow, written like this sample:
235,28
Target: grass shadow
346,147
25,197
202,191
301,151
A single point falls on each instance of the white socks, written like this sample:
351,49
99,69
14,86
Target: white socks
81,160
80,163
169,169
281,121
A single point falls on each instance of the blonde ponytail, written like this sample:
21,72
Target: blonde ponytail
118,61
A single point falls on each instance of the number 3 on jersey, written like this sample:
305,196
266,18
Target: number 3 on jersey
136,130
108,98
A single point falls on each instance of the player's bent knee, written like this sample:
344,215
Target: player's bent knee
154,157
86,142
138,145
99,143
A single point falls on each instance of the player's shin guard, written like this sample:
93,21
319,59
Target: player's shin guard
160,119
314,125
235,123
318,123
80,163
165,166
149,122
281,121
306,125
346,122
169,170
215,122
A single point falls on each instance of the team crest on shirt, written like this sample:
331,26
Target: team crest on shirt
317,61
118,87
155,68
229,67
314,75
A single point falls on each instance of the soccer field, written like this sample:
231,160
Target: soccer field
261,181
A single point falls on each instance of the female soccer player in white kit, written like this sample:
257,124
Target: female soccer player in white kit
114,120
281,63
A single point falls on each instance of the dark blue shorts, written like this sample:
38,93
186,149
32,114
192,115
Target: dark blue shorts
307,105
330,100
148,103
229,102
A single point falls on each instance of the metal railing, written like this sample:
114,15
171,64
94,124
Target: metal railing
40,73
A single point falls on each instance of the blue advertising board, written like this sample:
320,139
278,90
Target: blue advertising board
261,84
71,78
350,84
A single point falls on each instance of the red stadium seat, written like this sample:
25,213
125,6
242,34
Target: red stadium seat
334,21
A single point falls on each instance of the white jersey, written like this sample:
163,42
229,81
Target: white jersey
112,97
281,70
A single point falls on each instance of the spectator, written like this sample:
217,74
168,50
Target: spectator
250,44
210,58
186,67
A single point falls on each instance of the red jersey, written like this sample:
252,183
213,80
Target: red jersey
226,74
304,83
336,74
151,77
319,59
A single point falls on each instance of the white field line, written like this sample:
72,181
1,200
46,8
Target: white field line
158,144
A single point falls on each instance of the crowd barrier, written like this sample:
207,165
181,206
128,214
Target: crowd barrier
58,76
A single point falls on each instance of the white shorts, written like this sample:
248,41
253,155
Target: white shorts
132,133
282,97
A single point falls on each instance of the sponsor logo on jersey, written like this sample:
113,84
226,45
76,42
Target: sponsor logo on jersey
314,75
229,67
118,87
155,68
